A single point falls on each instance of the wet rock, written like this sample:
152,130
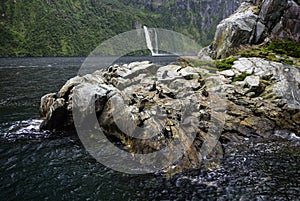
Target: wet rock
140,105
55,117
147,112
262,126
46,102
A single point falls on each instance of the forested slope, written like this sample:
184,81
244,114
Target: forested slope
76,27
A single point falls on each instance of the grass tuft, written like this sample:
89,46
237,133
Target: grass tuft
240,77
279,51
225,64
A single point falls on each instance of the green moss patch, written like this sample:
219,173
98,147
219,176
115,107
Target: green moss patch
240,77
225,64
288,48
279,51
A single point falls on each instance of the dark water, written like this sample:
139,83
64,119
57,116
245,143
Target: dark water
42,166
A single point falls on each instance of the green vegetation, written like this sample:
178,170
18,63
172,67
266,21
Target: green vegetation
76,27
60,28
240,77
225,64
278,51
288,48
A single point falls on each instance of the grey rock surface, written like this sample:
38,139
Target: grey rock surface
252,23
152,104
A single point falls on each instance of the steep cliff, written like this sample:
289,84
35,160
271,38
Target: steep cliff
196,19
254,22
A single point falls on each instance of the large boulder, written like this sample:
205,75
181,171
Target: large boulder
234,30
141,99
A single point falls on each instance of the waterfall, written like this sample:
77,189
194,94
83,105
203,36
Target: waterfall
149,42
156,42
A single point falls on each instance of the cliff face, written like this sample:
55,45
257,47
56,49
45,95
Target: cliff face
289,25
196,19
61,28
252,23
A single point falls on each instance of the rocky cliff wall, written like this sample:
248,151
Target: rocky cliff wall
253,23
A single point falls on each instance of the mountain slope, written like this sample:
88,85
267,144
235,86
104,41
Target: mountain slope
76,27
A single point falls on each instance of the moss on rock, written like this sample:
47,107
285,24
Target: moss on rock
240,77
279,51
226,63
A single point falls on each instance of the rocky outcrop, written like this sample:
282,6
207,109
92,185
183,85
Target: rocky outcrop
252,23
138,100
175,103
289,25
143,108
268,98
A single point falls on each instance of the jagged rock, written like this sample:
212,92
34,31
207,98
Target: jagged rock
251,24
168,73
65,90
151,104
189,73
276,91
271,12
289,25
136,100
46,102
244,65
234,31
55,117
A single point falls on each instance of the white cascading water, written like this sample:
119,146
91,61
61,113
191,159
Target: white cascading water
149,42
156,42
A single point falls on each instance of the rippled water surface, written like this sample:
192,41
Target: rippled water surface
42,166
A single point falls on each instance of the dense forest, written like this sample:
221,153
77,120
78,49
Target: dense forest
76,27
